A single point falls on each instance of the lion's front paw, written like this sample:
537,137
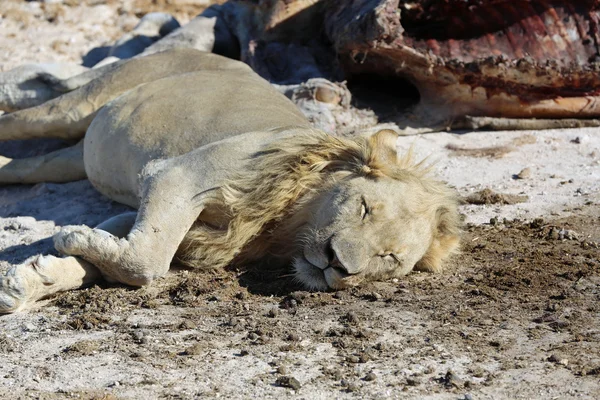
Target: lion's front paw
13,291
94,245
72,240
19,284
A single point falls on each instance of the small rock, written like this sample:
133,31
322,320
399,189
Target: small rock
194,350
273,312
282,369
241,295
340,295
353,359
138,336
380,346
452,380
350,386
293,337
373,296
289,382
412,381
555,359
187,324
568,234
370,377
524,174
537,223
351,317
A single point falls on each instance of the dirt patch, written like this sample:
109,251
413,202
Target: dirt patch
491,152
515,313
37,31
523,140
85,347
488,196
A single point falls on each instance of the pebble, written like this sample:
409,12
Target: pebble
282,369
293,337
370,377
194,350
138,336
187,324
412,381
273,312
289,382
562,234
353,359
524,174
352,318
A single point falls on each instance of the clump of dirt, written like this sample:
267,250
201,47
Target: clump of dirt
84,347
8,345
488,196
491,152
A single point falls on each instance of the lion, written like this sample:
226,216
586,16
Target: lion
224,170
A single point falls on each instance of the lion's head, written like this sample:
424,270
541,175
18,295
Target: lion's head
342,211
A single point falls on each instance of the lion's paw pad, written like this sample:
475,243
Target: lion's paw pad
13,290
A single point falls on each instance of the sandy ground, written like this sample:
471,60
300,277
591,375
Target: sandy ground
516,316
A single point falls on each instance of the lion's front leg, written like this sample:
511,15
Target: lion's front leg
41,277
166,213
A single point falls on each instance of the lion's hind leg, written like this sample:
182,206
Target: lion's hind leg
64,165
65,117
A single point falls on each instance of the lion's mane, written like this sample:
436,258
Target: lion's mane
273,193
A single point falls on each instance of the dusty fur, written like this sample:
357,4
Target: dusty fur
284,180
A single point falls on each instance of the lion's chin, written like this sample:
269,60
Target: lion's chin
310,276
335,278
315,278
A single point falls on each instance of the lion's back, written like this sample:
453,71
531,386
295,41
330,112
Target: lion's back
175,115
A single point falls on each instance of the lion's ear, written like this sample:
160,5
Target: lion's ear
383,144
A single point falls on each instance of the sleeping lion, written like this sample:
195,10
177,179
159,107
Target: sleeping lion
223,170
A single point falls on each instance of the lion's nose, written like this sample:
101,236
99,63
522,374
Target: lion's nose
335,262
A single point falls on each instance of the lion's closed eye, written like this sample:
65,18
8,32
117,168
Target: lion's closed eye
364,209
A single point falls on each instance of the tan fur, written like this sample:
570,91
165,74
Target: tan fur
284,181
226,172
